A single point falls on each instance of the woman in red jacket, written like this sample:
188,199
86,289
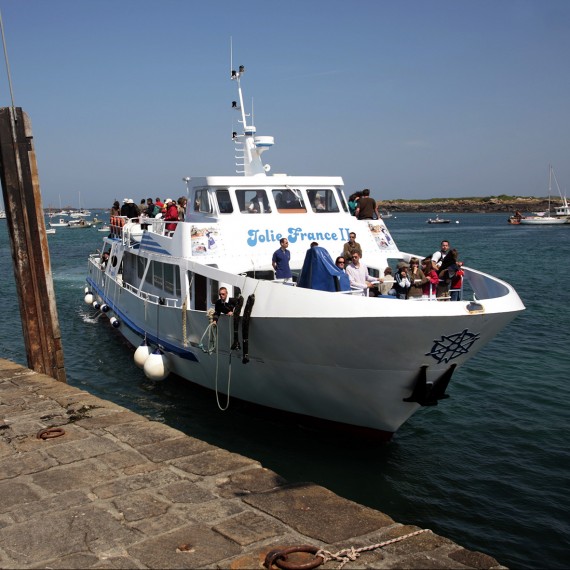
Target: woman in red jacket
171,215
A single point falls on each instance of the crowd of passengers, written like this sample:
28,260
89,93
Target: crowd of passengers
169,210
438,276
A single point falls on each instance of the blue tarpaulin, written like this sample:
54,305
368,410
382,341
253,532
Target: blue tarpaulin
319,272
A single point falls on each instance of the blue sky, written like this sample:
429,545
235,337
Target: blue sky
411,98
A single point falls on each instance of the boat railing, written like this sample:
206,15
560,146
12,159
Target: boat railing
151,297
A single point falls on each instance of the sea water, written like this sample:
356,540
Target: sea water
487,467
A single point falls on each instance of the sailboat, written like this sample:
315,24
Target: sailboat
547,219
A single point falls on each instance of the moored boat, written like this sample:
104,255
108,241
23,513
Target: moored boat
308,344
561,215
61,223
438,220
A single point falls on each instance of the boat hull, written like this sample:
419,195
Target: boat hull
307,366
543,221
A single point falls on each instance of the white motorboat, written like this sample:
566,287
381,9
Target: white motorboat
310,345
438,220
80,223
2,214
61,223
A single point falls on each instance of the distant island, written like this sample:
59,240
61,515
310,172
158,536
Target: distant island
478,205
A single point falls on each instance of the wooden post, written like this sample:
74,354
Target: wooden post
28,241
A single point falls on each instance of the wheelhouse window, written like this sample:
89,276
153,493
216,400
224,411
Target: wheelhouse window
341,199
224,202
289,201
322,200
253,201
202,201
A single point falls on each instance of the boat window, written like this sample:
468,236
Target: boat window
157,275
253,201
129,269
168,278
224,202
341,199
289,201
214,286
200,296
322,200
202,201
141,264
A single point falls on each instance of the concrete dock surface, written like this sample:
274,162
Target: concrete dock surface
104,487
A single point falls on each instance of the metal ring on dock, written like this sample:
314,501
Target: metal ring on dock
279,558
50,433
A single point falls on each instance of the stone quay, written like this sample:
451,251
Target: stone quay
85,483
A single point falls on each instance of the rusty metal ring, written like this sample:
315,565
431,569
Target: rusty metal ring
50,433
278,557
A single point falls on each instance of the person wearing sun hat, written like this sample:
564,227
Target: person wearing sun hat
170,214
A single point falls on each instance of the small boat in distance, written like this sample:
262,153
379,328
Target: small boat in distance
2,215
438,220
562,213
61,223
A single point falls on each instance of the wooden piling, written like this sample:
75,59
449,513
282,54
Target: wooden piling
29,245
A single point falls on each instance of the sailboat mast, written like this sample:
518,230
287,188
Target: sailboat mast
549,185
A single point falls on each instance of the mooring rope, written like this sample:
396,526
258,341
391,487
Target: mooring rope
350,554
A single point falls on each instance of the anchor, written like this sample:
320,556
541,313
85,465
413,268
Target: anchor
427,393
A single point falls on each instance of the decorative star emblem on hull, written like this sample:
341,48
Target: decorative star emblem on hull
452,346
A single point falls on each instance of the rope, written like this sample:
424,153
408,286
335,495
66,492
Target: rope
212,332
184,337
350,554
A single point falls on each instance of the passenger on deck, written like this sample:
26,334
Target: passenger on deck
129,209
456,285
280,261
259,204
447,271
387,286
417,279
367,208
402,280
182,203
449,264
353,202
438,257
432,279
360,278
351,246
170,215
341,263
115,209
149,211
223,306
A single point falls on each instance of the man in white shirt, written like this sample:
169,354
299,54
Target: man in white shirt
439,256
360,278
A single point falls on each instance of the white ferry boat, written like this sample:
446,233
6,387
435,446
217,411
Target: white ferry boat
304,346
